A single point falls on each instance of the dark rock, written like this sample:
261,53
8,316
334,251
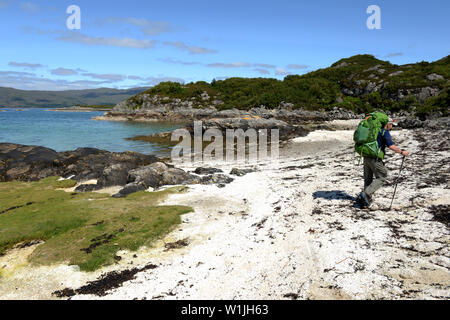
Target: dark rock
218,179
150,175
410,123
174,176
434,76
438,124
31,163
87,188
159,174
430,124
115,175
19,162
203,171
240,172
420,94
129,189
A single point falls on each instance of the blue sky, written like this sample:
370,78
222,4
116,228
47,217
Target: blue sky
124,44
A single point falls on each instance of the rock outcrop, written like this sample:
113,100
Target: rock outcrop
31,163
134,171
183,111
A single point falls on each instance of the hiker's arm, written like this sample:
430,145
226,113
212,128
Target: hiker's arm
398,150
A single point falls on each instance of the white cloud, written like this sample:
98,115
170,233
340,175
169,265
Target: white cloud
30,81
191,49
395,54
147,27
25,65
64,72
229,65
281,72
297,66
101,41
264,65
135,77
262,71
107,77
16,74
186,63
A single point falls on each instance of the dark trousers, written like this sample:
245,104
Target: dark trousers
373,168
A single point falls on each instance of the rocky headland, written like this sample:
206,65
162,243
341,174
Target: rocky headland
95,169
348,89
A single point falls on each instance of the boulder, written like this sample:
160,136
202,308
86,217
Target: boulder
240,172
87,188
159,174
410,123
129,189
371,87
115,175
31,163
203,171
393,74
347,92
434,76
27,163
216,179
427,92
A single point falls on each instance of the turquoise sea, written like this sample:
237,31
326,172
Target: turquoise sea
64,131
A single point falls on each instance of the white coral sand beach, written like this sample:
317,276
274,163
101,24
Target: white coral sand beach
289,230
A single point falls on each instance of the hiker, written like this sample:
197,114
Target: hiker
375,166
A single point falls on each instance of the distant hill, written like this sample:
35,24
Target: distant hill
12,98
360,83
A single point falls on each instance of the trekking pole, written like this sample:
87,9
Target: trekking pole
396,184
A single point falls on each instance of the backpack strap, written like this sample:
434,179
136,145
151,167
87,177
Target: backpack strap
383,131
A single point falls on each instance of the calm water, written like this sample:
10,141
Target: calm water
64,131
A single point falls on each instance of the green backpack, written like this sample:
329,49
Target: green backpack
365,137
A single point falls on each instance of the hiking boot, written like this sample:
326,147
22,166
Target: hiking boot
364,200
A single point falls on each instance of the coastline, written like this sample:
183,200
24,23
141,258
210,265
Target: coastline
176,113
79,109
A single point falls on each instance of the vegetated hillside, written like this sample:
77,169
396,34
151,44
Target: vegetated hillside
360,83
11,98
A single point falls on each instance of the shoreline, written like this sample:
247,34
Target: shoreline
187,113
79,109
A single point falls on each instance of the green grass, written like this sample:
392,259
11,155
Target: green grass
64,184
84,229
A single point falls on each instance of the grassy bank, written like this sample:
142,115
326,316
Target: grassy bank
84,229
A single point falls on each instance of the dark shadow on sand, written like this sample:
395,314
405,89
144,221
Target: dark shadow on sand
333,195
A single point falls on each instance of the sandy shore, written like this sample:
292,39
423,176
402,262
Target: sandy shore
288,230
